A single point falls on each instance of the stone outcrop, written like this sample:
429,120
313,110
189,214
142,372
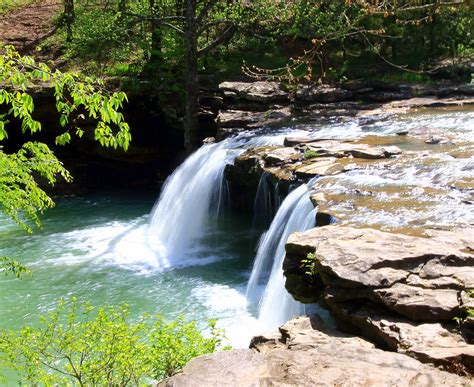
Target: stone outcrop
298,161
264,103
260,91
306,353
249,119
315,93
404,292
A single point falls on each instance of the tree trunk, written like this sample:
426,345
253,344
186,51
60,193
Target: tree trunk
69,16
191,78
155,49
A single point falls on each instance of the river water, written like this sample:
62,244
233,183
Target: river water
186,254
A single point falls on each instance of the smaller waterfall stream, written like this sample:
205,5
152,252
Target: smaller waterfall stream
296,213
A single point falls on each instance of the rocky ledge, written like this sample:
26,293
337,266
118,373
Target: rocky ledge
407,294
300,159
256,104
306,353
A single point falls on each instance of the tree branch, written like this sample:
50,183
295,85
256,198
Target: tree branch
226,35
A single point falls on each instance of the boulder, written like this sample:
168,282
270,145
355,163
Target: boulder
323,93
247,119
261,91
334,148
306,353
415,282
427,342
282,155
321,167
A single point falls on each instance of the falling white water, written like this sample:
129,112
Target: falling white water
276,306
183,210
192,196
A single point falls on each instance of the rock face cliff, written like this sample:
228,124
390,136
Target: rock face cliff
388,269
403,292
306,353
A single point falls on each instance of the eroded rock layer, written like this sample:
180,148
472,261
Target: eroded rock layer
404,292
305,353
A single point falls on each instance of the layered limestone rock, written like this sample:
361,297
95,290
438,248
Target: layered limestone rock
305,353
250,119
298,161
404,292
260,91
264,103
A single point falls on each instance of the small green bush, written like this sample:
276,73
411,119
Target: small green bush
309,264
78,343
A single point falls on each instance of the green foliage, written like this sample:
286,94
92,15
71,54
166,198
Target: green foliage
309,264
77,343
467,312
101,39
9,5
310,154
78,98
8,265
21,196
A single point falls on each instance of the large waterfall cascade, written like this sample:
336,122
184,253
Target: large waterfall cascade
108,248
190,201
192,197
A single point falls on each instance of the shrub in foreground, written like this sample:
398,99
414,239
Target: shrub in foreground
80,344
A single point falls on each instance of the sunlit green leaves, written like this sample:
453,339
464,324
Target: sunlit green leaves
21,196
9,266
77,343
78,99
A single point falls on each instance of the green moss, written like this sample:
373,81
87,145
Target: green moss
310,154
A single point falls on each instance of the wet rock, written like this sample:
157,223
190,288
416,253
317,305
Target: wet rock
244,175
282,155
293,141
261,91
324,93
209,140
306,159
321,167
344,149
306,353
413,280
437,140
384,96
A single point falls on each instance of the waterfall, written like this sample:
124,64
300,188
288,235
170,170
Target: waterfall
189,201
192,198
276,306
